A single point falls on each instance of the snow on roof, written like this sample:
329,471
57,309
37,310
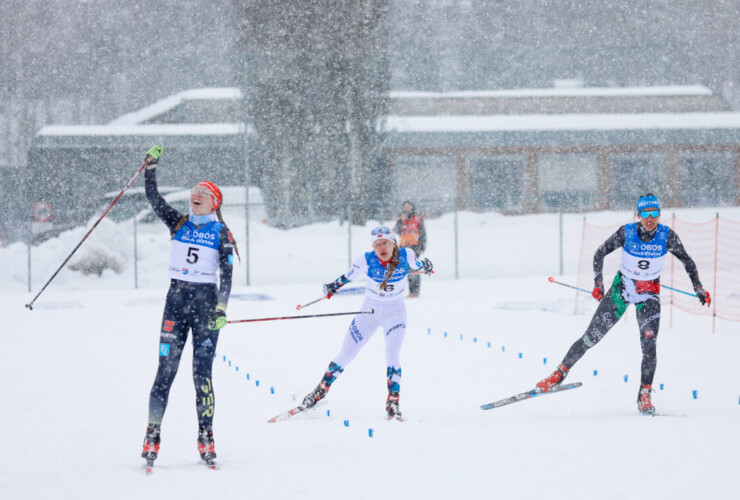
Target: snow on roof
668,90
143,130
591,121
170,102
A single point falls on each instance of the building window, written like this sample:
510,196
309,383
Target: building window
495,182
429,181
634,174
708,179
567,181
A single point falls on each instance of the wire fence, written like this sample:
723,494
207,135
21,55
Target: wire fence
462,245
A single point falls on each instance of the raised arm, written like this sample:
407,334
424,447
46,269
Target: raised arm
164,211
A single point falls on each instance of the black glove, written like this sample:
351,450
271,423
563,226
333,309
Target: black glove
427,266
153,156
331,289
703,296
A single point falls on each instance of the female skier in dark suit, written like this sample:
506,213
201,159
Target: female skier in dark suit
200,271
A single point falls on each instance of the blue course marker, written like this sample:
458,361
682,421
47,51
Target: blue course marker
520,355
695,394
596,372
626,377
661,387
346,423
369,433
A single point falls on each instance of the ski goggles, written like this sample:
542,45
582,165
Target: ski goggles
382,233
380,230
201,191
649,213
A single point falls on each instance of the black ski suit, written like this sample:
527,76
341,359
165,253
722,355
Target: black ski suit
613,305
188,307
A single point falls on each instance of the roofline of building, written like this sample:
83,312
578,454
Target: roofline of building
168,103
665,90
180,129
557,122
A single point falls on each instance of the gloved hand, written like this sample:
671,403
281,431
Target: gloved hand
154,152
703,296
331,289
598,291
218,318
427,266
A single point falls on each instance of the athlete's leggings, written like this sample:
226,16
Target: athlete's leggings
188,306
611,308
391,316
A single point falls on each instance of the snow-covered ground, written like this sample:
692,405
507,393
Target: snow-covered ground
77,371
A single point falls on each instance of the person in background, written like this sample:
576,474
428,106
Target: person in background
644,246
200,271
410,225
386,267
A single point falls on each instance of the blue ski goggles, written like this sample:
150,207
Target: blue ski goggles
649,213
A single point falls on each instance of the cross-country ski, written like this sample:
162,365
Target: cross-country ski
286,415
529,395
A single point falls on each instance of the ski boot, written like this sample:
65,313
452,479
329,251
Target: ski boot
391,406
151,442
644,405
151,446
316,395
205,445
556,378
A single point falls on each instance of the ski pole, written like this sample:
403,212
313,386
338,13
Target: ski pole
148,160
552,280
301,306
371,311
679,291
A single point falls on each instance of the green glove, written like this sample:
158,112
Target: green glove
218,318
154,153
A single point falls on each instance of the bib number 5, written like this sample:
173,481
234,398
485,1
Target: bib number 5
192,257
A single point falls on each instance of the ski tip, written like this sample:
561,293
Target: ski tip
550,279
30,306
298,307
